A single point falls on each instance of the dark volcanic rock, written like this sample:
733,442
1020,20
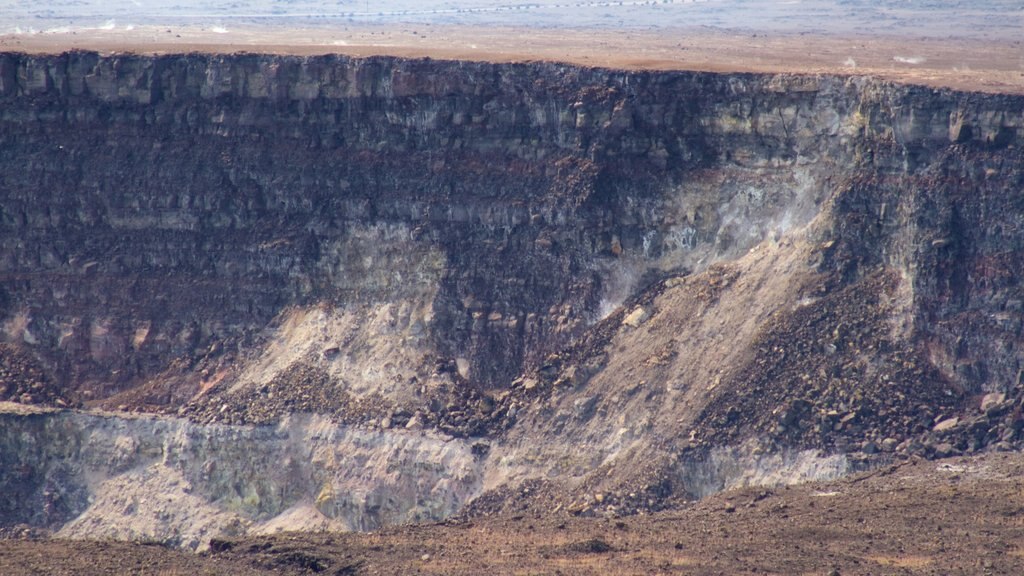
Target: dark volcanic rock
155,206
605,273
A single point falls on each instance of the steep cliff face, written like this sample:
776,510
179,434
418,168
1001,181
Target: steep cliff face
155,206
607,274
168,480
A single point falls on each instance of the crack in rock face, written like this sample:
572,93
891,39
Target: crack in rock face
355,292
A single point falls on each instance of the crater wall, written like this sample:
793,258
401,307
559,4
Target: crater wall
614,279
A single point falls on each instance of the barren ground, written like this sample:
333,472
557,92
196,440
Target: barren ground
966,63
956,516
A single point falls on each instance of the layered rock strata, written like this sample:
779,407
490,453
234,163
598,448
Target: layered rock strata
606,278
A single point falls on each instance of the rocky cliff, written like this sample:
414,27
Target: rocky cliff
96,475
613,279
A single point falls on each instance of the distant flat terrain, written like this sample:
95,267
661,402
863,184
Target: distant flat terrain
986,19
974,46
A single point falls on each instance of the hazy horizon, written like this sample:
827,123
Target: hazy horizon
992,19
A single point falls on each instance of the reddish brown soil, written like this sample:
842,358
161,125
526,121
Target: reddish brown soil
961,63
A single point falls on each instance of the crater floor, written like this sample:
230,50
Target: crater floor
905,519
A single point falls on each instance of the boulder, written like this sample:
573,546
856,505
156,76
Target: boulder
991,401
635,318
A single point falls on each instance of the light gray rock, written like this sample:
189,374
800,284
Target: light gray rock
992,400
635,318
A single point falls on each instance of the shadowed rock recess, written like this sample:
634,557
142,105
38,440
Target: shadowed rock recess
356,292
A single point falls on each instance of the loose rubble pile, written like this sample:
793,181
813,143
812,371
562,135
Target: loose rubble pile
453,407
829,375
22,380
23,532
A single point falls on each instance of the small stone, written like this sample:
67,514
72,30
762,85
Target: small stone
385,422
583,407
890,444
869,447
992,400
462,366
730,508
635,318
599,498
947,424
414,423
425,557
529,384
577,508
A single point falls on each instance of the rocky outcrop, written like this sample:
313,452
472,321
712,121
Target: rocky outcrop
171,481
612,277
